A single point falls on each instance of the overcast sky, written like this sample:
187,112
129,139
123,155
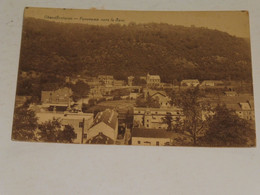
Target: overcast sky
233,22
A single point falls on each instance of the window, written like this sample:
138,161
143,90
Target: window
80,124
157,143
147,125
139,142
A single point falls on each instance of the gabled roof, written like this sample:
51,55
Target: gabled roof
100,139
252,104
109,117
154,92
245,106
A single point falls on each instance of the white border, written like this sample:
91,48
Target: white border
38,168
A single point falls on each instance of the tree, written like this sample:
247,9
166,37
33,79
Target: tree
178,124
80,89
192,108
67,135
24,124
168,120
226,128
50,130
139,82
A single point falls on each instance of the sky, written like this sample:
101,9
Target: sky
233,22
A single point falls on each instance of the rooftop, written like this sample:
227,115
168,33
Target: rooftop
109,117
153,133
153,92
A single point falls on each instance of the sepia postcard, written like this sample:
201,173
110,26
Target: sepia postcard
145,78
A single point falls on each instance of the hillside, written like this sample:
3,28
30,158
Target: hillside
173,52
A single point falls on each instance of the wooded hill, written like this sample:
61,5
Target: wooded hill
173,52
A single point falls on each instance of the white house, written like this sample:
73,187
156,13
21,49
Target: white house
153,118
161,96
211,83
190,82
104,129
106,80
153,80
79,121
151,137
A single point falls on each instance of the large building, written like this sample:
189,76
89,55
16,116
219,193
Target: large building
153,80
154,118
242,107
119,83
244,110
106,80
151,137
80,122
58,97
190,82
211,83
104,129
160,96
157,137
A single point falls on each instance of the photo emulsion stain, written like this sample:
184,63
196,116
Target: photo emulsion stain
135,78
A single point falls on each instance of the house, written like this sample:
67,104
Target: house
106,80
244,110
161,96
153,80
130,80
79,121
230,93
143,78
151,137
104,129
154,118
158,137
190,82
60,97
119,83
211,83
92,81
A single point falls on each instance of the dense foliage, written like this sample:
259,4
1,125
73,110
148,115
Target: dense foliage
173,52
225,128
24,124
